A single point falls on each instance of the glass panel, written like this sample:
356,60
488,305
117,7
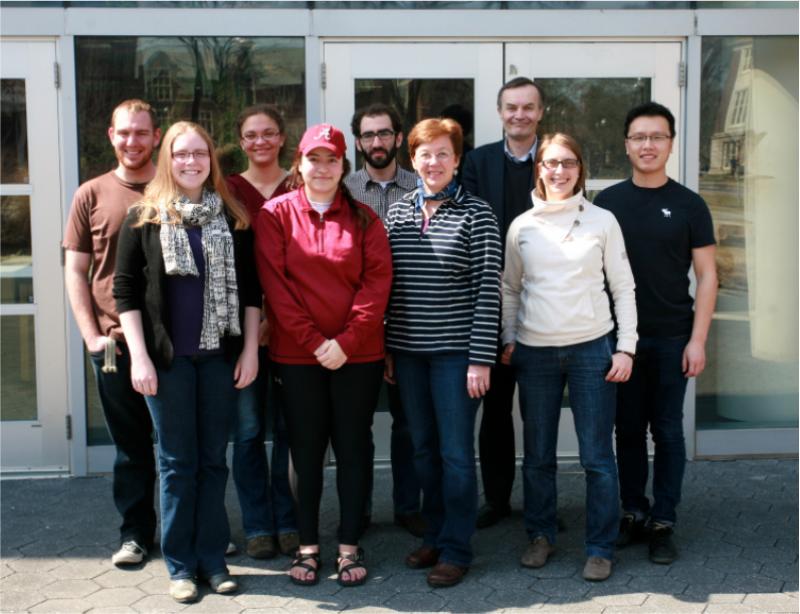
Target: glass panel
593,111
16,263
204,79
416,99
748,176
18,379
13,132
96,430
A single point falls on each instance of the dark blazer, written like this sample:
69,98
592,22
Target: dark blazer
140,284
484,170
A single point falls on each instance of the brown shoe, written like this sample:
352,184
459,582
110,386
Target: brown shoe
288,543
262,547
597,569
536,553
446,574
426,556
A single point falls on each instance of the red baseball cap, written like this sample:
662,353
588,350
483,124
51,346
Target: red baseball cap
325,136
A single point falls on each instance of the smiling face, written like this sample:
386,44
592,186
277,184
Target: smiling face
191,164
559,182
261,139
649,158
521,111
435,163
134,138
321,171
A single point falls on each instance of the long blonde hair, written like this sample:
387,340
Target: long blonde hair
163,190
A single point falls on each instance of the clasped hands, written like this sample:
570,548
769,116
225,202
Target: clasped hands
330,354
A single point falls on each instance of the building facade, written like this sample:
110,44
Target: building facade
729,71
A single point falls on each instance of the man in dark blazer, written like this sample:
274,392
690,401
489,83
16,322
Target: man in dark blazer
502,174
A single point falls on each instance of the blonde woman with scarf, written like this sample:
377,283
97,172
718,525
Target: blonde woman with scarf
189,303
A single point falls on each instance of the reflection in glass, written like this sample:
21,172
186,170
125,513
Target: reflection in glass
13,132
18,379
417,99
593,111
748,177
96,430
203,79
16,263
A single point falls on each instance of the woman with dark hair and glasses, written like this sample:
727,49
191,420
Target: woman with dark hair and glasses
557,325
326,270
264,496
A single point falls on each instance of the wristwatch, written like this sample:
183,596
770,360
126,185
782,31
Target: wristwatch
631,354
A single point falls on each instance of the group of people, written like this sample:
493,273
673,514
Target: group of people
316,287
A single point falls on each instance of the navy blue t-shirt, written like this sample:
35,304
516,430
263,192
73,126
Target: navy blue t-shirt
185,300
661,227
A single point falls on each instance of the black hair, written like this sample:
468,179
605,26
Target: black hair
519,82
650,109
269,110
373,110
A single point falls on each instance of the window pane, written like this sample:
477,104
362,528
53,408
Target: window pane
18,380
416,99
16,263
203,79
748,176
593,111
13,132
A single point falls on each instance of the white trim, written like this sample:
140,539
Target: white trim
16,189
18,309
730,442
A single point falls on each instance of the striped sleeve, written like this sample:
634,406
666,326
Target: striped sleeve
485,260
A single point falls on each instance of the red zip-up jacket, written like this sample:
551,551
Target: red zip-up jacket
324,277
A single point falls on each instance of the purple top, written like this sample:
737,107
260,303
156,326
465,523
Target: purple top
185,300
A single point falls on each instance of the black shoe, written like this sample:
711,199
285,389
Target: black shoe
413,523
631,531
489,515
662,548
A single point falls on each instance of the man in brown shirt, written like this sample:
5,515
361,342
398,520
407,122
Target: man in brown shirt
90,242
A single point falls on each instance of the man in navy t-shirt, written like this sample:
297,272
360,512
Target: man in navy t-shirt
667,229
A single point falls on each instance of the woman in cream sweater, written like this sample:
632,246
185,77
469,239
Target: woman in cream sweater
557,327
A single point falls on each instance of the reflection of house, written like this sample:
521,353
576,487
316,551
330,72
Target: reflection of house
727,142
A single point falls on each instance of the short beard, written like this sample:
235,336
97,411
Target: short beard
391,154
145,161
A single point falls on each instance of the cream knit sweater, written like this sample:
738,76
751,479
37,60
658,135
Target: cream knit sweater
553,291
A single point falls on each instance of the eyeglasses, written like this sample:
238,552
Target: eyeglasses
657,139
267,135
442,156
383,135
552,164
183,156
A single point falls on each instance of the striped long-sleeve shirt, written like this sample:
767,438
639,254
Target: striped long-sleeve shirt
446,286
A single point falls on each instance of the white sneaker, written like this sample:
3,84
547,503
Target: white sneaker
183,590
223,583
130,553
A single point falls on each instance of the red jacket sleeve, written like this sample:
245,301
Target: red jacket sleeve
279,292
369,302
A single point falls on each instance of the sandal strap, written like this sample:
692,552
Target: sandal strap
301,560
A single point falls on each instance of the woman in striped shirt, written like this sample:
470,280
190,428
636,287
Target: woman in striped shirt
442,330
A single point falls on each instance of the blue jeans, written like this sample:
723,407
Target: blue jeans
192,412
441,418
542,373
653,397
131,430
265,499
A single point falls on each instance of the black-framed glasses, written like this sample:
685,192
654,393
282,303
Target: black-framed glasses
267,135
658,139
552,164
383,135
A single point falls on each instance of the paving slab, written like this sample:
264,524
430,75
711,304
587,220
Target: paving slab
737,537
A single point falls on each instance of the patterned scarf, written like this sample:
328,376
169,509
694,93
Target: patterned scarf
448,192
220,293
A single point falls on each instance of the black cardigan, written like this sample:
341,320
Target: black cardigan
140,284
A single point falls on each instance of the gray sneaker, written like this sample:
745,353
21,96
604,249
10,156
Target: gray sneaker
536,553
129,553
597,569
223,583
183,590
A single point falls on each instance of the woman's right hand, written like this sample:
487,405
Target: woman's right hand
388,369
508,350
143,376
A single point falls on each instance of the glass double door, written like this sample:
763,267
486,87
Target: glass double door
588,86
33,391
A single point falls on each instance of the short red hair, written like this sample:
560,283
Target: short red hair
431,129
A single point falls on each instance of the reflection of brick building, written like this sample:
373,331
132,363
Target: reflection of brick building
727,142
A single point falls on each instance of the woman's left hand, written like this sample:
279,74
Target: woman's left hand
246,369
621,367
478,377
330,355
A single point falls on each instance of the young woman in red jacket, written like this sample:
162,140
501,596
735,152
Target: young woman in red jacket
326,270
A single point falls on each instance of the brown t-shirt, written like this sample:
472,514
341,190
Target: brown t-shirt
97,213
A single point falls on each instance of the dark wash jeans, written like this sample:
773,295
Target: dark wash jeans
653,398
542,373
192,413
441,417
265,498
131,430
